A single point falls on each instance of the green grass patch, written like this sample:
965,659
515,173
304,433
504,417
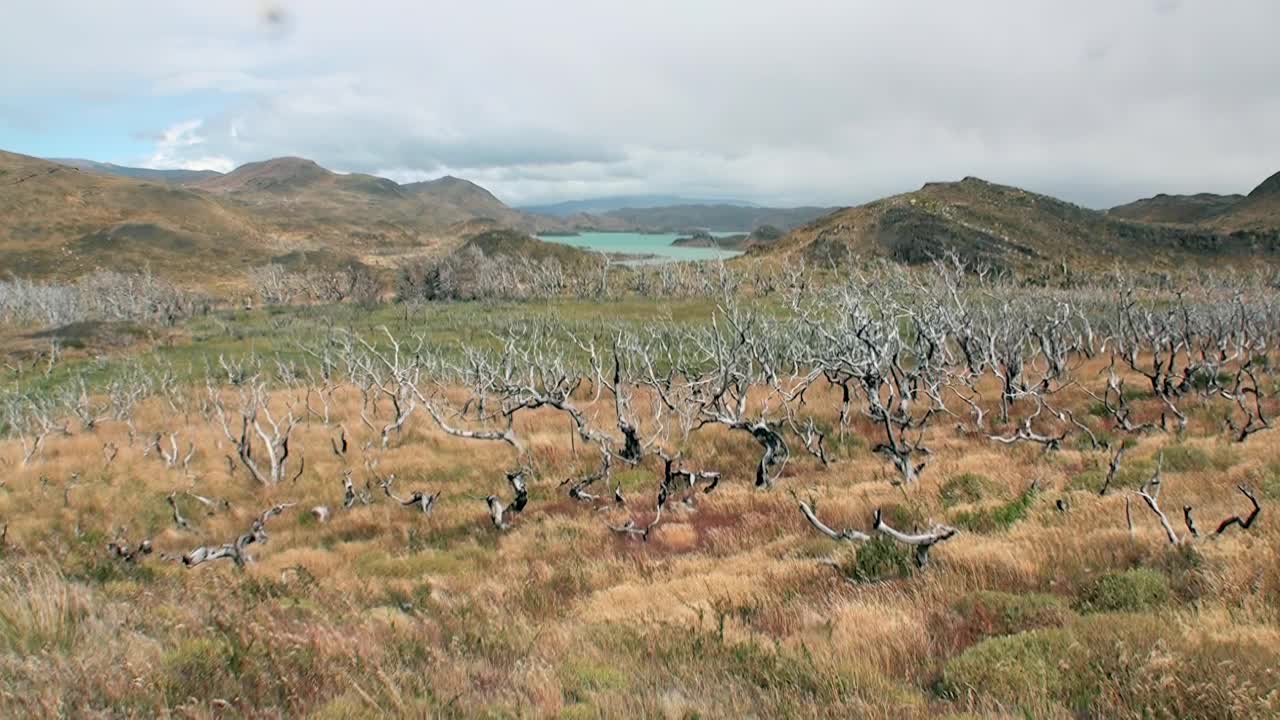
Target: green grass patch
996,518
963,489
989,612
878,559
1129,591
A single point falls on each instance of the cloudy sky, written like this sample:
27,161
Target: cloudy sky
796,101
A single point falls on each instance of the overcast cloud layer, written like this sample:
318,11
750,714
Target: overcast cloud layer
804,101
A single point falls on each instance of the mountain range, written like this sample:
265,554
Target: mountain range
1013,228
621,202
63,219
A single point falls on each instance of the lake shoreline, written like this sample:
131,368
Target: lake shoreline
652,247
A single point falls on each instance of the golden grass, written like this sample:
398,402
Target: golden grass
726,611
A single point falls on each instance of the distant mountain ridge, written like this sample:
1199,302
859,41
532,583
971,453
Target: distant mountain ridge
1188,209
1257,211
58,220
621,202
724,218
137,173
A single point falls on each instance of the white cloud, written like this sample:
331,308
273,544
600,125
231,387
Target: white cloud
773,100
177,150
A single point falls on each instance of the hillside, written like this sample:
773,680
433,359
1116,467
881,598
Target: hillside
1009,227
179,177
304,206
57,221
1176,209
503,242
482,204
1258,211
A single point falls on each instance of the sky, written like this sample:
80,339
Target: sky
831,102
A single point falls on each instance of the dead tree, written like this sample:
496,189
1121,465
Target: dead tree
170,456
237,550
500,512
580,488
1026,433
1113,467
417,499
1247,395
349,495
922,542
122,550
810,512
1246,522
394,373
274,434
178,519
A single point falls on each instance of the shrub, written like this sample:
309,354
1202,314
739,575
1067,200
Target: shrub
197,668
988,612
879,559
998,517
966,488
1128,591
1185,458
1117,666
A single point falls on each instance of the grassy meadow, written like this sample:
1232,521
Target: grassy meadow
1045,604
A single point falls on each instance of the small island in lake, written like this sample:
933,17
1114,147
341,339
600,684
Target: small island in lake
760,237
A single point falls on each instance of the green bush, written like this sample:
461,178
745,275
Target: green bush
997,517
989,612
1022,670
197,668
879,559
1185,458
1128,591
966,488
1116,665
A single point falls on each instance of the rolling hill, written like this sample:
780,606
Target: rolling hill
1258,211
1011,228
482,204
58,221
178,177
1176,209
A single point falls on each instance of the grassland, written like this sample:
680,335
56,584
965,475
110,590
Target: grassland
1044,605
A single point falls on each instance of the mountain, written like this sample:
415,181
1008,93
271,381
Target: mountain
619,202
178,177
481,203
1178,209
1011,228
727,218
1258,211
463,193
303,206
58,221
282,174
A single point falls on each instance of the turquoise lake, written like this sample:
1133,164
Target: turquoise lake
658,244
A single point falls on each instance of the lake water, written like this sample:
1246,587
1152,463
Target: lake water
658,244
